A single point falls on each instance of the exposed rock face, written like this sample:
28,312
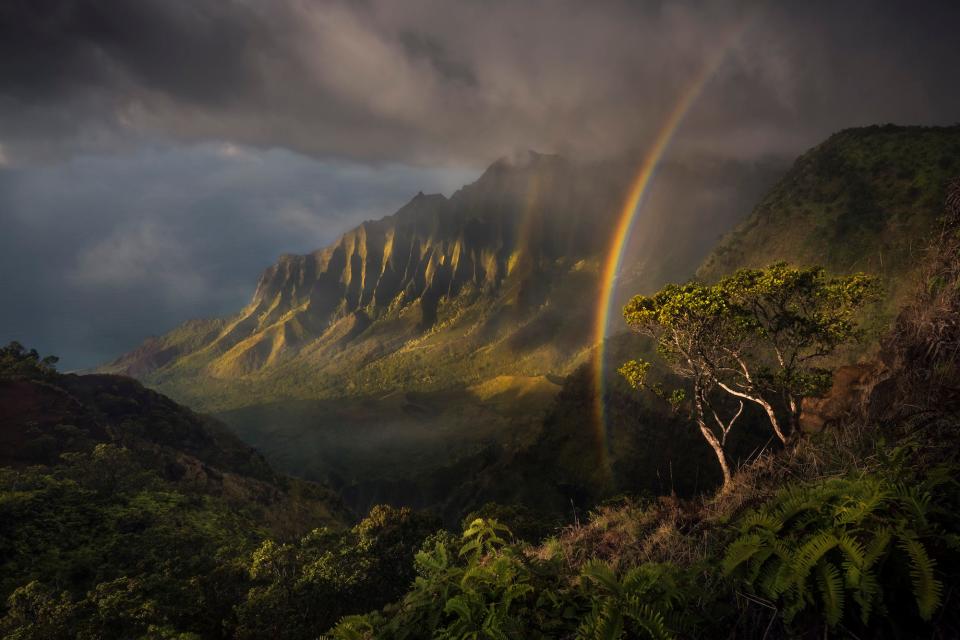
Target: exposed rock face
501,278
514,232
851,390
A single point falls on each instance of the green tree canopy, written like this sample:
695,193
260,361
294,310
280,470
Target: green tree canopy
693,324
16,363
759,335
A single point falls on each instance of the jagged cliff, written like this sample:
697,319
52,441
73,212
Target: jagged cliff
498,279
527,228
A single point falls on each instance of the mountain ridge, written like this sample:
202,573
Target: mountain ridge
504,263
847,204
401,265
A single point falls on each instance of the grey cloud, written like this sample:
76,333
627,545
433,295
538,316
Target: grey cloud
433,81
101,251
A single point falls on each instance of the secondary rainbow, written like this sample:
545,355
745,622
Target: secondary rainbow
628,214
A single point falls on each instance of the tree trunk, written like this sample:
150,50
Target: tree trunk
794,415
771,414
773,419
721,456
712,439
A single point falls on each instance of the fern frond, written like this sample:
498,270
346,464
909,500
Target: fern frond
758,520
854,555
927,588
863,498
878,547
604,575
831,592
811,552
647,619
471,546
459,606
653,577
774,578
493,625
917,502
757,562
797,599
587,626
607,624
741,550
866,595
794,502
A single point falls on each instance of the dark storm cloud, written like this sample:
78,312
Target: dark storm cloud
434,81
101,251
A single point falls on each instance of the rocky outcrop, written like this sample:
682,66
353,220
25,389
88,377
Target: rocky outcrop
849,395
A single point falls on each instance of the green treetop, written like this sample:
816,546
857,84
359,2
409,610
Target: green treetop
758,335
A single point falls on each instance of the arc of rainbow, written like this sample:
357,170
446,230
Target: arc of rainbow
628,214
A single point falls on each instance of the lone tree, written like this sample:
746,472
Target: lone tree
758,335
692,325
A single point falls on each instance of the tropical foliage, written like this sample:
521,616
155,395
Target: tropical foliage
847,550
124,515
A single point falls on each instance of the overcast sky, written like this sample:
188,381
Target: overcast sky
156,155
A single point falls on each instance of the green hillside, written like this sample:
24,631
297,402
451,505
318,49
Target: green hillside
866,199
124,514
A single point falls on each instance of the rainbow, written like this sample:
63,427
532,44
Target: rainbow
628,214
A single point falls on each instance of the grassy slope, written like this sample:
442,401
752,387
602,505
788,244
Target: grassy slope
866,199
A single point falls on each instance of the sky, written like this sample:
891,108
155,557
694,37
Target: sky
156,155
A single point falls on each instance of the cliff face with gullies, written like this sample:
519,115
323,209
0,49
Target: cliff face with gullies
498,279
431,249
496,251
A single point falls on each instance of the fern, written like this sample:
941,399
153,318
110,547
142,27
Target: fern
926,587
604,623
602,573
483,536
741,550
831,592
813,547
647,618
637,603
